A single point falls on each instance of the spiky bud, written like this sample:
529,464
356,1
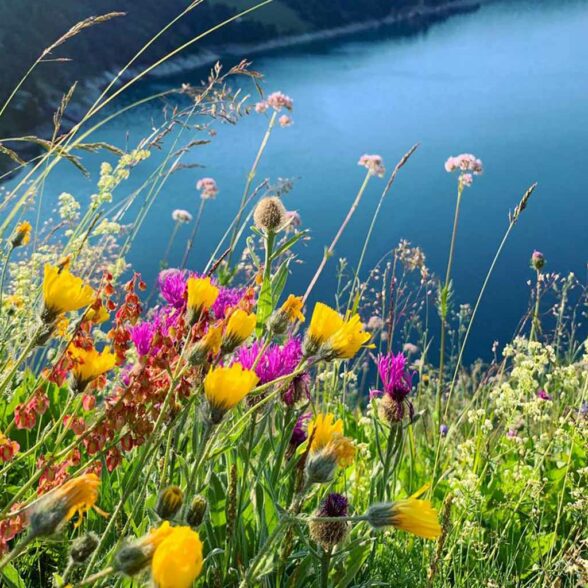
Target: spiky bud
169,502
197,511
83,547
320,468
269,214
537,260
328,534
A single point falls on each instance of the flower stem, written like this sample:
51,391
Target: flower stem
190,242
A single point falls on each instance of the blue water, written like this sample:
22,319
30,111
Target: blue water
508,83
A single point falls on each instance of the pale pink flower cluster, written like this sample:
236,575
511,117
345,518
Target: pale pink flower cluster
285,121
278,100
466,162
181,216
208,188
261,107
293,218
373,163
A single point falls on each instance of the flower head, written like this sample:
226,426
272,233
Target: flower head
411,514
208,188
239,328
181,216
177,561
172,285
169,502
22,234
374,164
209,344
225,387
63,292
76,497
142,337
467,165
537,260
328,534
89,364
397,384
285,121
279,100
269,214
202,294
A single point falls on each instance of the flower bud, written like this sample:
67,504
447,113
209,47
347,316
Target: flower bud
328,534
169,502
320,468
22,234
197,511
83,547
537,260
269,214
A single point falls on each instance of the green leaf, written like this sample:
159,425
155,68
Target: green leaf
11,578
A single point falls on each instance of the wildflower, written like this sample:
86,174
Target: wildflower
197,511
397,384
22,234
97,315
269,214
208,188
328,449
228,299
63,292
328,534
181,216
278,100
172,285
225,387
411,514
177,561
142,337
134,556
169,502
202,294
89,365
83,547
333,337
374,164
537,260
8,448
542,395
443,430
77,496
209,344
285,121
468,165
239,328
289,312
261,107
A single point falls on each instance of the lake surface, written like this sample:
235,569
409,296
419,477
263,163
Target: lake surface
508,83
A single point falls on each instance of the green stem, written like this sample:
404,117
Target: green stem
3,277
325,564
535,324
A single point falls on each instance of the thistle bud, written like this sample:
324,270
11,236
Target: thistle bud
320,468
169,502
83,547
537,260
328,534
197,511
270,214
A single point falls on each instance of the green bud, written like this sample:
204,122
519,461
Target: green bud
169,502
83,547
197,511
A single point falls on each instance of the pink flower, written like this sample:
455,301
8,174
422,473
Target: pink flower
278,100
285,121
374,164
261,107
466,162
208,188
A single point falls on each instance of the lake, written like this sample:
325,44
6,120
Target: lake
508,83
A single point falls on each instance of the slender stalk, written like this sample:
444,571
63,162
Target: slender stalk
170,243
3,276
444,302
190,242
329,252
21,358
98,576
325,564
250,178
535,324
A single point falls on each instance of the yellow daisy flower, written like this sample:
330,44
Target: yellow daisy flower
239,328
89,364
202,294
63,292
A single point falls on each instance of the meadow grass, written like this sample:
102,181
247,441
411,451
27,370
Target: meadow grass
214,430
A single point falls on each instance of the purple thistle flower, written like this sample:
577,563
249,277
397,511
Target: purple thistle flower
227,298
142,336
275,362
172,285
299,435
334,505
542,394
396,379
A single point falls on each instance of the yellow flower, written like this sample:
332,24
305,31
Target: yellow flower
98,316
177,562
327,438
334,336
349,338
63,292
239,327
22,234
324,323
89,364
202,294
61,327
157,535
225,387
292,308
210,343
411,514
75,497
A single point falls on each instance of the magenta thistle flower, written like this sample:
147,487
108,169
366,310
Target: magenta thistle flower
396,383
542,394
227,298
142,337
276,361
172,285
